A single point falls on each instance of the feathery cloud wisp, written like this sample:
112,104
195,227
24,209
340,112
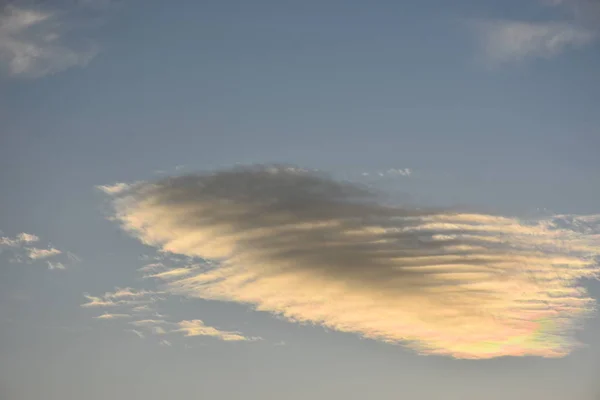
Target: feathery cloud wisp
315,250
32,43
112,316
37,254
514,41
197,327
121,297
22,248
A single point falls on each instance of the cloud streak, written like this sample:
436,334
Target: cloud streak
513,41
23,249
189,328
33,43
314,250
197,327
516,41
126,297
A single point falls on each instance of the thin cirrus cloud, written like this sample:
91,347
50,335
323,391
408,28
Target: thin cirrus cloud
513,41
197,327
112,316
35,43
138,303
23,248
311,249
122,297
190,328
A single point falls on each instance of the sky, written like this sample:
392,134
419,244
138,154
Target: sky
299,200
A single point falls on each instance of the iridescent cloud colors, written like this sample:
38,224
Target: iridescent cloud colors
316,250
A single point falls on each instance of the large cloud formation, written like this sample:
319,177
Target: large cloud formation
315,250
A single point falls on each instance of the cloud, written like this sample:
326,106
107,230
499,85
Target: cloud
20,246
34,43
154,326
585,12
55,265
314,250
515,41
27,238
112,316
509,41
37,254
189,328
197,327
114,188
122,297
392,172
148,322
172,273
19,240
136,332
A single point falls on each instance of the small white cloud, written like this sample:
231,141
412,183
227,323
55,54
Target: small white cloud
112,316
116,188
153,326
171,273
122,297
27,238
33,43
148,323
151,267
165,343
22,251
157,330
142,308
399,172
136,332
73,258
515,41
392,172
197,327
19,240
37,254
55,265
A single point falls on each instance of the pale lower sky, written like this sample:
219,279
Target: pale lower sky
480,107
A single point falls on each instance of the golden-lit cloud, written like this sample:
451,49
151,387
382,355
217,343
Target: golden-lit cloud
122,297
197,327
23,250
112,316
311,249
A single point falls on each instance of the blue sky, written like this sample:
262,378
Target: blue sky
483,107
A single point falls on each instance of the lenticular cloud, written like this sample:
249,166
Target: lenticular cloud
315,250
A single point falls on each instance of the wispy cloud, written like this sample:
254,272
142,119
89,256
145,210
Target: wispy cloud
197,327
34,42
515,41
312,249
148,323
112,316
56,265
189,328
115,188
19,240
36,254
510,41
392,172
23,250
122,297
137,333
153,326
